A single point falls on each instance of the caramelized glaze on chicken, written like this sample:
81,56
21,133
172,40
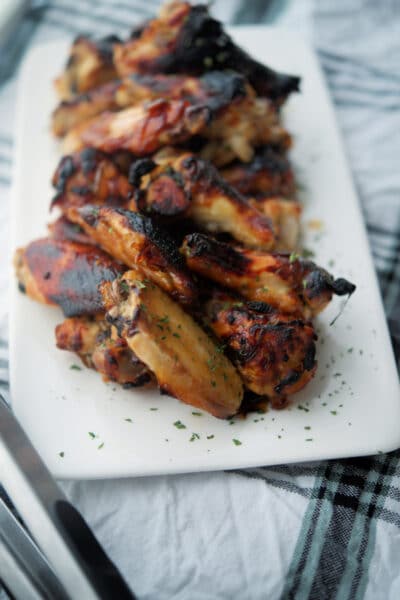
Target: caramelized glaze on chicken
65,273
141,129
290,284
135,241
273,352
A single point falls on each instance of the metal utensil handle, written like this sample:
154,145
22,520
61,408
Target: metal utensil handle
60,531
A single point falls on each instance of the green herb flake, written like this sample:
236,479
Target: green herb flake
92,435
309,439
301,407
140,285
237,442
110,230
305,283
154,408
176,335
129,420
334,412
210,437
61,454
307,253
100,446
179,425
293,257
197,414
75,368
307,427
164,319
195,436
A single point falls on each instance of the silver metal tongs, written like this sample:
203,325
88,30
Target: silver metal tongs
70,563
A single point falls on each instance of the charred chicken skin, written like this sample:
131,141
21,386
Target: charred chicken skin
188,186
64,230
186,362
65,273
90,64
135,241
288,283
90,177
100,348
273,352
186,39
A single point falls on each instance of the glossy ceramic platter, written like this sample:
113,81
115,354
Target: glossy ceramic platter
351,408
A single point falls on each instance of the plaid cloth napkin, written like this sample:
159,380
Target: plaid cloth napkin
322,531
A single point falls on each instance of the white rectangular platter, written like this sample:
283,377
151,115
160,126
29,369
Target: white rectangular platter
351,408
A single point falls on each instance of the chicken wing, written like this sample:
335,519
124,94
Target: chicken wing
102,349
65,273
91,177
90,64
288,283
273,352
135,241
186,39
141,129
191,187
185,360
216,89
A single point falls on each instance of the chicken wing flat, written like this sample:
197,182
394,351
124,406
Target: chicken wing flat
191,187
273,352
141,129
216,89
187,363
186,39
268,174
102,349
90,177
65,273
90,64
288,283
134,240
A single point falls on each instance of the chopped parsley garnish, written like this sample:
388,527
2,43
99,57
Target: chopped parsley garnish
179,425
334,412
176,335
210,437
75,368
154,408
92,435
197,414
195,436
237,442
293,257
309,439
61,454
139,284
100,446
164,319
307,427
307,253
128,419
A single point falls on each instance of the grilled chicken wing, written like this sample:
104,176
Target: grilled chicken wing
186,39
102,349
65,273
91,177
268,174
141,129
292,285
216,89
137,242
184,359
273,352
191,187
90,64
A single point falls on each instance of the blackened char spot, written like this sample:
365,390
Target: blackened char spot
290,379
138,169
318,281
160,238
260,307
218,253
65,170
309,359
341,287
105,47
